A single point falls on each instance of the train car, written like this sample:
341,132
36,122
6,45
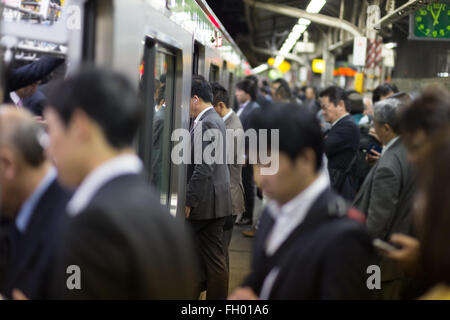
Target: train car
157,44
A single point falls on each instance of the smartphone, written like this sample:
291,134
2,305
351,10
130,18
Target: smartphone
383,245
375,147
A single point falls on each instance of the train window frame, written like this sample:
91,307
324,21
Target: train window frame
153,47
214,73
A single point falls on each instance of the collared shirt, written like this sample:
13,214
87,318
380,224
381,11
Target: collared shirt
287,218
334,123
28,207
118,166
201,114
242,107
227,116
157,108
389,144
16,99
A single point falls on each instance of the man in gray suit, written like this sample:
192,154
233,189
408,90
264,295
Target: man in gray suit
233,124
386,195
208,197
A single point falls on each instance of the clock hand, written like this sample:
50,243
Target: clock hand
436,20
430,8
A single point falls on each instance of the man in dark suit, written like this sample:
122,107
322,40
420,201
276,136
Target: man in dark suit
30,74
234,156
208,196
309,244
341,142
386,196
34,200
120,243
246,97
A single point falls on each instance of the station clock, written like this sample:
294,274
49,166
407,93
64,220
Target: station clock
431,22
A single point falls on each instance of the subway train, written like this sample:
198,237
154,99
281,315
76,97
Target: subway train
156,44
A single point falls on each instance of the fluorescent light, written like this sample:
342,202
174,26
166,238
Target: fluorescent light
278,61
390,45
260,68
443,75
315,6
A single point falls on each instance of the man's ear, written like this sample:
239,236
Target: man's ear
80,124
342,104
8,163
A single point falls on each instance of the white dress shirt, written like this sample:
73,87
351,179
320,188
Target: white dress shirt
389,144
334,123
287,218
119,166
197,119
224,118
242,107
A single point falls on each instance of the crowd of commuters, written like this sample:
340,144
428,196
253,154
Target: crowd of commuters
350,170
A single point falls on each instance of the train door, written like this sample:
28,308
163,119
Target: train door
158,91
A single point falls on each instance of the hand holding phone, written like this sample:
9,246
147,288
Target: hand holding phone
374,147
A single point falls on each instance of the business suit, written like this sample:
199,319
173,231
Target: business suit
237,190
325,257
386,197
157,146
341,145
36,103
208,194
30,73
127,247
31,253
248,181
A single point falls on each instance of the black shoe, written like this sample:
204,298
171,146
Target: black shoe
244,222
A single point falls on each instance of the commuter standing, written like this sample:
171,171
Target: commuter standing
341,142
246,95
208,196
386,195
307,246
124,243
34,200
233,124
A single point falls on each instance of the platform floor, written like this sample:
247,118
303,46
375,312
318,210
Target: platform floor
240,256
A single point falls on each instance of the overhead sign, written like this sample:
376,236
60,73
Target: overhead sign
318,66
359,51
431,22
305,47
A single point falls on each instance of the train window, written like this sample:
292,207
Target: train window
231,88
158,87
213,73
198,58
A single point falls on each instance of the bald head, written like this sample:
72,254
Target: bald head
20,132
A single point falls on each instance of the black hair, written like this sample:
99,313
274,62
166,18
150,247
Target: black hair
106,97
382,90
429,112
285,92
336,94
356,103
220,94
201,88
248,86
298,129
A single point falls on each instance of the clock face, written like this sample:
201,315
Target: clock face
433,21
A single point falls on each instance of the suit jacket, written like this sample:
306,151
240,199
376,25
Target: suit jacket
36,103
237,189
341,145
386,197
245,115
31,254
30,73
127,246
157,146
325,257
208,190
